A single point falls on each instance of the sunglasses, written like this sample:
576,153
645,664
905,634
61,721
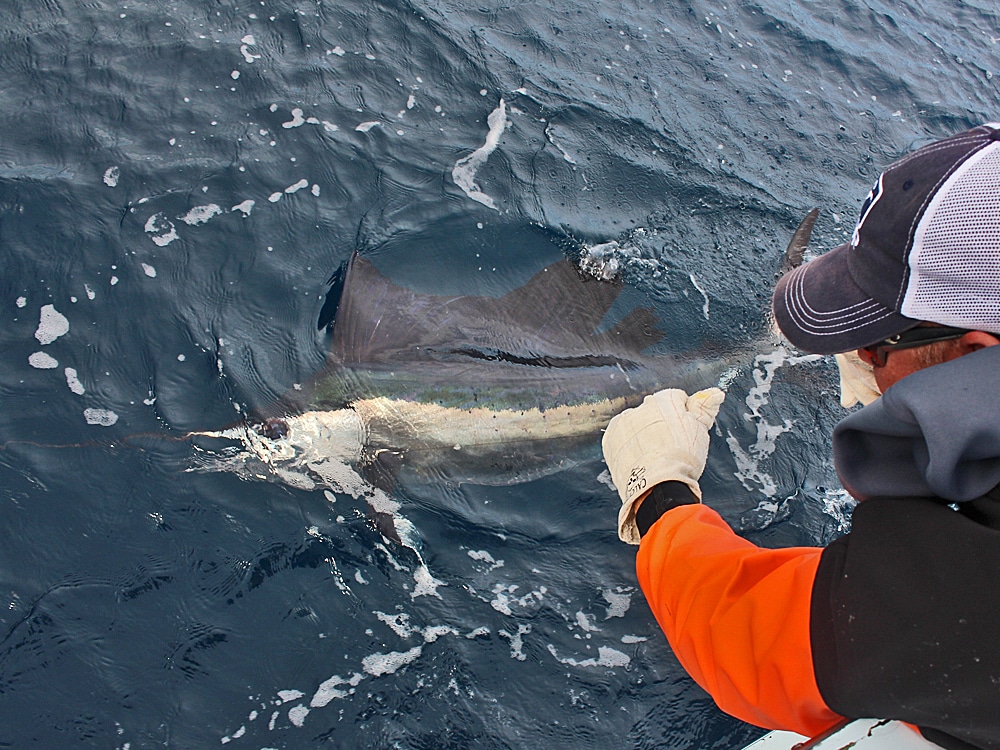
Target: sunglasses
879,352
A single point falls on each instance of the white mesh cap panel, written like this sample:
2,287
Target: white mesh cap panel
955,260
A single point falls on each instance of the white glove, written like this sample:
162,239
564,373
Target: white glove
857,380
663,439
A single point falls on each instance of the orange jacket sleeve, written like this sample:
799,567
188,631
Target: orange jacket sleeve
737,617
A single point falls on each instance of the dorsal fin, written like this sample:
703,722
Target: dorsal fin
556,314
796,249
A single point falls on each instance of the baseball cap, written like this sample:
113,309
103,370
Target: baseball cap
926,248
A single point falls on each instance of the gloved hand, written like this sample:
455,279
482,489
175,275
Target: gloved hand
857,380
665,438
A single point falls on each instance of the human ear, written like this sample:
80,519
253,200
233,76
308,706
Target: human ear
975,340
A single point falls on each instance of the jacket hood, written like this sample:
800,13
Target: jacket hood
935,433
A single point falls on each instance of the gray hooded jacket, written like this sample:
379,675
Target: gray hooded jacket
936,433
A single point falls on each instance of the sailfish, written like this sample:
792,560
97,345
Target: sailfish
470,388
487,390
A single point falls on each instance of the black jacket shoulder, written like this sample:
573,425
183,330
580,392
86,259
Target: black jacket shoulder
905,617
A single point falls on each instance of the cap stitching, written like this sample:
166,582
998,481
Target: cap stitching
818,332
861,318
798,279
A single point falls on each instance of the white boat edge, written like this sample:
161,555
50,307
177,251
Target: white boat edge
862,734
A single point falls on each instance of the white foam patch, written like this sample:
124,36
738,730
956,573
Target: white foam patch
748,462
618,601
245,207
73,381
631,639
425,584
601,261
433,632
378,665
331,689
296,121
148,270
102,417
21,301
605,478
486,557
235,735
301,184
323,445
464,171
400,623
516,641
111,176
248,42
374,665
51,325
704,294
338,50
200,214
503,598
606,657
366,126
160,229
388,555
43,361
297,715
550,136
584,623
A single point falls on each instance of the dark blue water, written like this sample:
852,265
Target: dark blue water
147,600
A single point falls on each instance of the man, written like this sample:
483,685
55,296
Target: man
900,618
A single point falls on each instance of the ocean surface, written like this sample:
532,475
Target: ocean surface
180,180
